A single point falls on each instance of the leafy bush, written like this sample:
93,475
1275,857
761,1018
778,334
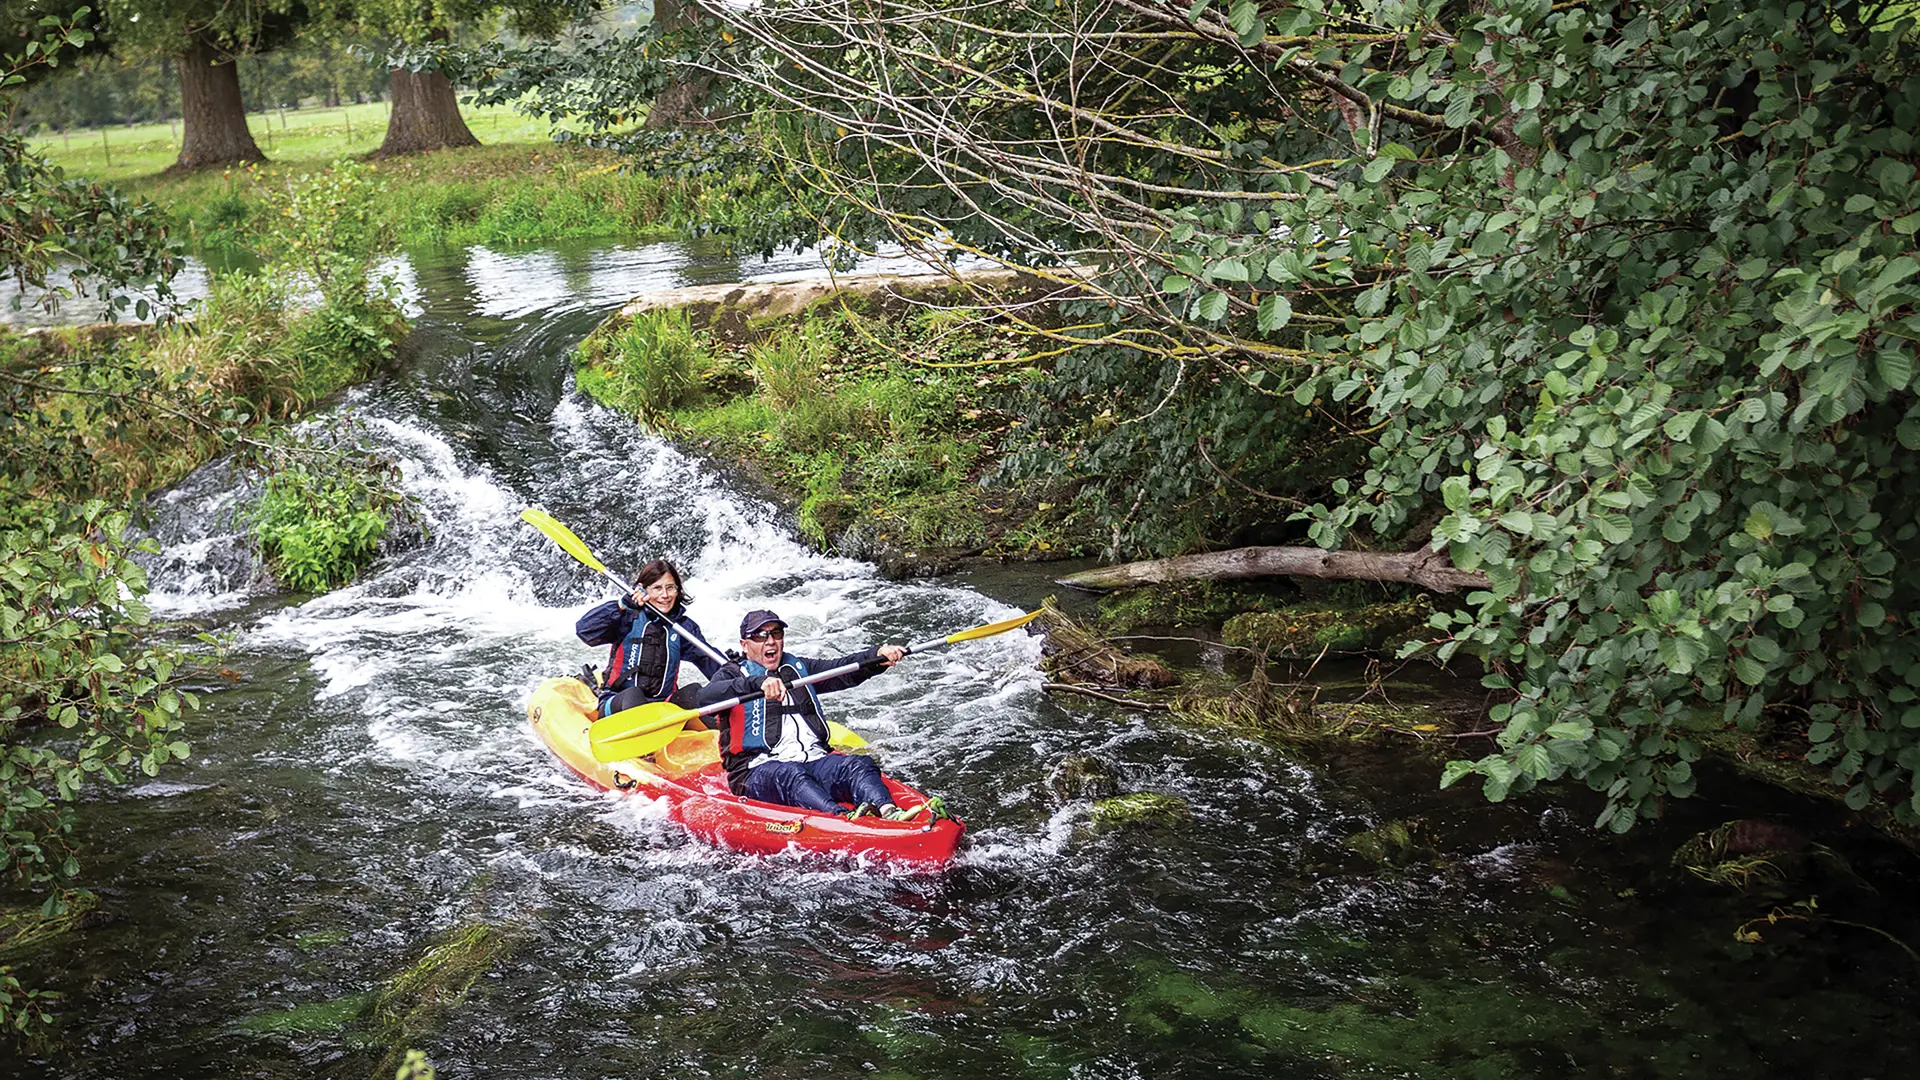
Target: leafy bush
318,530
650,367
1615,302
76,659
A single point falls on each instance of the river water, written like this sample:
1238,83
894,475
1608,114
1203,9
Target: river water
365,786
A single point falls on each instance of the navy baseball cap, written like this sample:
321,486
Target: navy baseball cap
757,619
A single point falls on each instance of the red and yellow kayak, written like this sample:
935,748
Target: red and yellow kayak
687,774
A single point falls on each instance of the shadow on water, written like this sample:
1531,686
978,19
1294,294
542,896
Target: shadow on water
368,788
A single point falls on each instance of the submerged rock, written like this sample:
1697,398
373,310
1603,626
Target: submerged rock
1082,776
1390,843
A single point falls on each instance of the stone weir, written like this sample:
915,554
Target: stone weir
778,298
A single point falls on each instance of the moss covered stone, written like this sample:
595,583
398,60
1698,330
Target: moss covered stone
1190,603
1390,843
1082,776
1311,629
319,1017
1140,809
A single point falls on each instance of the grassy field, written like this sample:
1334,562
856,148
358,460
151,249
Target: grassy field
518,187
292,137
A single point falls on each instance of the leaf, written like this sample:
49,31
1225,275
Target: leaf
1895,272
1228,270
1895,367
1377,170
1680,428
1534,760
1275,312
1211,307
1681,654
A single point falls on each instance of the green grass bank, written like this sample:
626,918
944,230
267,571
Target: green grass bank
519,186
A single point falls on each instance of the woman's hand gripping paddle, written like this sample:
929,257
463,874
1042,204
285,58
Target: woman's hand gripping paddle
577,548
641,731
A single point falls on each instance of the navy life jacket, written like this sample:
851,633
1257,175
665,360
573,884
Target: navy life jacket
656,669
751,730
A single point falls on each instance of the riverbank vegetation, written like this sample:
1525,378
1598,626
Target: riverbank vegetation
880,420
91,689
1610,307
500,194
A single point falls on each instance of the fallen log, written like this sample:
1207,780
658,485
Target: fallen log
1426,568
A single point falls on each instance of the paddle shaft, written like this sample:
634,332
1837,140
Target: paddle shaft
818,676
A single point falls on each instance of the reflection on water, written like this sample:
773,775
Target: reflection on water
509,284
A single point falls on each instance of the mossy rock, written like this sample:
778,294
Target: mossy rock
1311,629
1390,843
1189,603
1141,810
319,939
441,977
313,1018
1082,776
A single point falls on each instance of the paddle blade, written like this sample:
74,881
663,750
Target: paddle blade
615,737
561,535
842,737
993,628
639,746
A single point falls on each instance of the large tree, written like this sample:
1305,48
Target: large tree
426,111
1612,303
206,39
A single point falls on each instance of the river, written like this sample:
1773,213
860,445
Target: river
364,784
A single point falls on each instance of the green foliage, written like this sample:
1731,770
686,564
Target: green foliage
102,240
1613,303
318,530
791,365
1682,462
83,674
650,366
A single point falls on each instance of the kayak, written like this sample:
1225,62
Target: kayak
687,775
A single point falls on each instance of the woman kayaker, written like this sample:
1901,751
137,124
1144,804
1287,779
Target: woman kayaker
774,745
648,631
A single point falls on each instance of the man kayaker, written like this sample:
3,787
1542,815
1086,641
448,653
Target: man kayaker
774,744
648,631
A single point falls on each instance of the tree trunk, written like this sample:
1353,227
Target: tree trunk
425,114
1426,568
213,117
682,103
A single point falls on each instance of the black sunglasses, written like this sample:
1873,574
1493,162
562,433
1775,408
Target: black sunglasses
768,634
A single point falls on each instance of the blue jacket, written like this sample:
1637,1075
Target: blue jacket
646,649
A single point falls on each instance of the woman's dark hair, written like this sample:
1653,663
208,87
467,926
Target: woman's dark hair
658,569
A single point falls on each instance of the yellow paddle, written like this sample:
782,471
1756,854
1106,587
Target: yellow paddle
633,732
